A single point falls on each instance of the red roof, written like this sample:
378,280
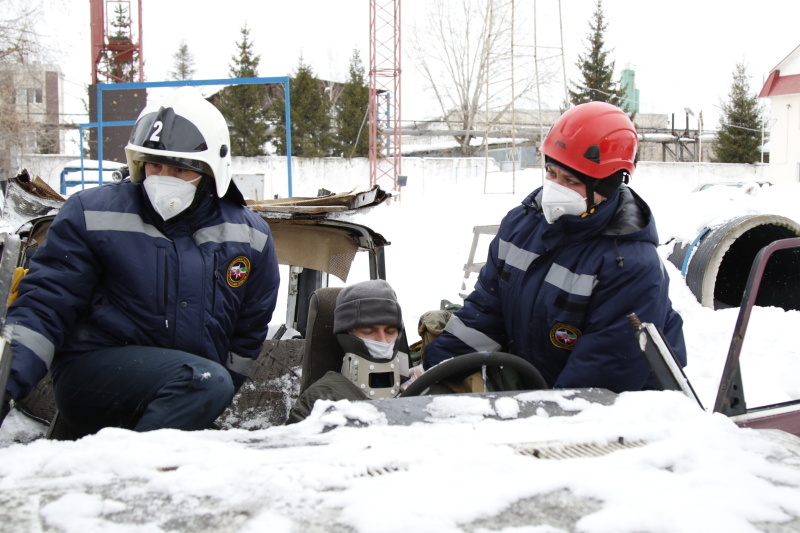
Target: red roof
777,85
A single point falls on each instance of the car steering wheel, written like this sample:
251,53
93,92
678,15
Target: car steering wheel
461,364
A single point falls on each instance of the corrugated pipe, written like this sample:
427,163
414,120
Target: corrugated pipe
717,263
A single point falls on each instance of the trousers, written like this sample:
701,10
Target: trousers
140,388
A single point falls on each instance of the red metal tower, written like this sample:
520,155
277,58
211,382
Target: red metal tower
116,50
385,159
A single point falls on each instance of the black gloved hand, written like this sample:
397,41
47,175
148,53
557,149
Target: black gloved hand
5,408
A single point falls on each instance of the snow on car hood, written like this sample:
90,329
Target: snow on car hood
347,468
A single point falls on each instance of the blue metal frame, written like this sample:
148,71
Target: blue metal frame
180,83
100,166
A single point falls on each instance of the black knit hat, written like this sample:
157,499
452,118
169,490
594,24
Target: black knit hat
366,304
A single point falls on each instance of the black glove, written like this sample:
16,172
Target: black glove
5,408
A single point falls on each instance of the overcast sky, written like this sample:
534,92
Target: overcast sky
683,51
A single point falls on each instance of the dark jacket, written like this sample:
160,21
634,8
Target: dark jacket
558,296
113,273
332,386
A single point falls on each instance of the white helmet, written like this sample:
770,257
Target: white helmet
184,130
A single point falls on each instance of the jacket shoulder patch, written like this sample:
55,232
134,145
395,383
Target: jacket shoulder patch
238,271
564,336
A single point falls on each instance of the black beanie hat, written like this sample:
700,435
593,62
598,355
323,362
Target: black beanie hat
605,187
366,304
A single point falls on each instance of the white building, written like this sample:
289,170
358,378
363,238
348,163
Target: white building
783,89
30,112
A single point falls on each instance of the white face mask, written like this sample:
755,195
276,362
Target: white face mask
379,350
558,200
170,196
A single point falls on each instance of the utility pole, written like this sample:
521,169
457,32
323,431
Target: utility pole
385,135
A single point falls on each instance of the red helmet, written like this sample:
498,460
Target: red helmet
596,139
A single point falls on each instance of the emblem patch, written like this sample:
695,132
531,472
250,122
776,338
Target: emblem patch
564,336
238,270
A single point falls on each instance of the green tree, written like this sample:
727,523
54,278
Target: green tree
596,70
122,67
121,22
183,63
352,137
244,105
311,116
739,135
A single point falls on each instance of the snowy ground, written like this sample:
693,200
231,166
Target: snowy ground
459,470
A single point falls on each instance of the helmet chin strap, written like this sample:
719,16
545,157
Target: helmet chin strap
590,205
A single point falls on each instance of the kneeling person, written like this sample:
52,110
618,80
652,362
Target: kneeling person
367,322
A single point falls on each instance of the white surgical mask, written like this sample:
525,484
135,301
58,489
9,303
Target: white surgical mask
379,350
170,196
558,200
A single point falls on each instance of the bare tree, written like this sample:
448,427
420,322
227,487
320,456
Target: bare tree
18,37
19,48
467,55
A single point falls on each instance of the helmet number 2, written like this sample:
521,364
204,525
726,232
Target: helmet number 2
156,135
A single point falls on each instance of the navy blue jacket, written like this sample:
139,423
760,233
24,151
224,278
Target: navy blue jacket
558,295
112,273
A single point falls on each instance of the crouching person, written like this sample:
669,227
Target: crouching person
367,321
151,298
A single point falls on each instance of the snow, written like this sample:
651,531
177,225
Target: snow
347,469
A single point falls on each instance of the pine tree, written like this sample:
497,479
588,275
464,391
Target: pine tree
183,63
352,137
739,136
311,116
243,105
121,22
120,70
598,73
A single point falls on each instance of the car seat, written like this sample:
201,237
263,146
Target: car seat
321,352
